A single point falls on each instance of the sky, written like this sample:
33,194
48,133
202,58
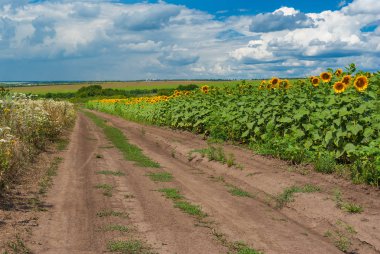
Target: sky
185,39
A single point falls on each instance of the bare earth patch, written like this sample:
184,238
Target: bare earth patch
255,202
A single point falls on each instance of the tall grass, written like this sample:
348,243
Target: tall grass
26,127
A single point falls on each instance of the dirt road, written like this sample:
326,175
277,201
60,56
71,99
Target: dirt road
311,222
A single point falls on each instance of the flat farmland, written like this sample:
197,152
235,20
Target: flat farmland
123,85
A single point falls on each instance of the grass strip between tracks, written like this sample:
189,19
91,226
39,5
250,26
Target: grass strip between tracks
116,136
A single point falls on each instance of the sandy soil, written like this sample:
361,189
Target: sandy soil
72,224
312,223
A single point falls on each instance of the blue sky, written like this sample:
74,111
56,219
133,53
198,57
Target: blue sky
251,7
129,40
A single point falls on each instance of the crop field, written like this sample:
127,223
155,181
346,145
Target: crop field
189,127
330,120
65,88
276,166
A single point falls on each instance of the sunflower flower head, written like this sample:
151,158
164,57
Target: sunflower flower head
339,87
284,84
205,89
315,81
346,80
338,72
361,83
326,76
177,93
263,85
275,82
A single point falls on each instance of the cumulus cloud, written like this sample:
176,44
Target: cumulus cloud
229,34
181,58
362,7
334,38
281,19
85,10
147,17
105,39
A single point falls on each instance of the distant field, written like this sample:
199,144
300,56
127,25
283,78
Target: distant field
43,89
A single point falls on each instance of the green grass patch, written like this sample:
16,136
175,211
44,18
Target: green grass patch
242,248
346,206
111,213
119,228
47,181
235,191
17,246
341,235
160,177
128,247
352,208
107,189
62,144
109,172
171,193
116,136
182,204
215,153
189,208
288,194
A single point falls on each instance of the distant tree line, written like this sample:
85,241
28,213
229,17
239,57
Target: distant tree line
97,91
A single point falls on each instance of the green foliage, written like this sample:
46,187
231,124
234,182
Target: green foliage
216,153
128,247
182,204
17,247
107,189
288,194
171,193
27,127
242,248
161,177
110,173
300,124
235,191
346,206
131,152
116,227
325,163
47,180
189,208
341,236
111,213
96,91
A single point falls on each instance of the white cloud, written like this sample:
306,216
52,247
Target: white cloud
334,39
110,40
282,19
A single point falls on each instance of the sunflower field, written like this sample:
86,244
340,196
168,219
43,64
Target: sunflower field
331,120
26,127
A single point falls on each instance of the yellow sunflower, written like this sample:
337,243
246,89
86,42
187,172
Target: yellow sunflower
263,84
274,82
346,80
339,87
361,83
338,72
326,77
285,84
315,81
205,89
